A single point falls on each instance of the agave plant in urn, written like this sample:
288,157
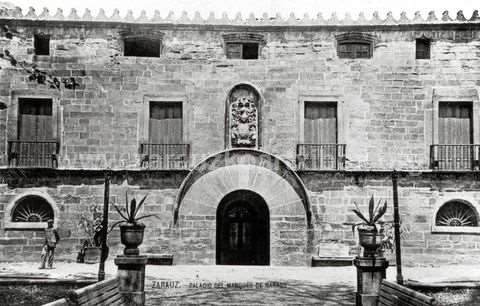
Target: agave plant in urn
131,230
370,231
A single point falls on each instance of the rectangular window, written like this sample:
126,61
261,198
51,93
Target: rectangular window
142,47
41,43
242,50
354,50
166,123
455,124
422,49
320,123
320,148
35,122
455,149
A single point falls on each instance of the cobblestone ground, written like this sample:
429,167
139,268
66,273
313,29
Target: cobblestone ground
249,286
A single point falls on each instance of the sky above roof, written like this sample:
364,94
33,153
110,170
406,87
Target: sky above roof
258,7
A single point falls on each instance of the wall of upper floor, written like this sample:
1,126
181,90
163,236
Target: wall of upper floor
386,118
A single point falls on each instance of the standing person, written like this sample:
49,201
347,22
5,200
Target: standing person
51,240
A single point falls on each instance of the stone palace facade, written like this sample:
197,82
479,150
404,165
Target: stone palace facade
253,137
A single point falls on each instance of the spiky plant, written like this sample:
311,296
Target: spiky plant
374,214
130,212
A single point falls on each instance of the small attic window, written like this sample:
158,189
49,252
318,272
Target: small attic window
355,45
41,44
242,50
243,45
422,48
142,47
354,50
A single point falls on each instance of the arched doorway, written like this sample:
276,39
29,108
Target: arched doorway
243,229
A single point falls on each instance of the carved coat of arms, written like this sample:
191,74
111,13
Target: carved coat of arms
243,119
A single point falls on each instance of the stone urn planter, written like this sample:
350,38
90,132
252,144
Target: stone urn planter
131,236
92,255
370,232
131,230
370,239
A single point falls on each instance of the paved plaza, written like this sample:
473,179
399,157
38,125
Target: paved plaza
244,285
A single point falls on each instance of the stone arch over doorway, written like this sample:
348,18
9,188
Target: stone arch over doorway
251,172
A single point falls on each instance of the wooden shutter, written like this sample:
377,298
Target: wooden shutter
455,123
234,51
320,123
35,120
354,50
166,126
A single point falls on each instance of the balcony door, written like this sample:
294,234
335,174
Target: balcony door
165,126
165,148
320,134
455,132
35,120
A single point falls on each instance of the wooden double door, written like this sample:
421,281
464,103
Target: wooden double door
243,230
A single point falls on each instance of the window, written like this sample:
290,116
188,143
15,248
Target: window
354,50
142,47
35,119
165,126
32,209
456,216
422,49
320,148
456,213
35,145
355,45
455,136
243,45
41,43
165,148
455,123
320,124
242,50
455,149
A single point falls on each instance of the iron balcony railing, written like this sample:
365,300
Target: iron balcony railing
33,154
455,157
320,156
164,156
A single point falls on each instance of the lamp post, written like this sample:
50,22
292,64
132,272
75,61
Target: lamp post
104,253
396,228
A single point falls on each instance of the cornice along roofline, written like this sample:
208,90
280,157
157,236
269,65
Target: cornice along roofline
252,20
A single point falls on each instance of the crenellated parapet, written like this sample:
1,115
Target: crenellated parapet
250,20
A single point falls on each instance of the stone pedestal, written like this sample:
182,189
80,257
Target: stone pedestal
131,275
370,272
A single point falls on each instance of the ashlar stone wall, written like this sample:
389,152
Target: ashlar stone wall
387,100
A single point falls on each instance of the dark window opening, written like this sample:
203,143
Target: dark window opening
242,50
422,49
41,43
354,50
32,209
142,47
